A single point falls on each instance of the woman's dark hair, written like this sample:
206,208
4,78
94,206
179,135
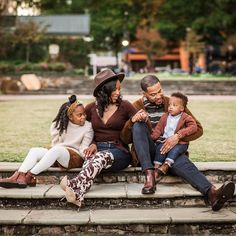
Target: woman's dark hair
103,96
62,118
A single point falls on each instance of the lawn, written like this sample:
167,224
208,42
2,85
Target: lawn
187,77
25,124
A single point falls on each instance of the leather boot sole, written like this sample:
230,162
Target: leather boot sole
226,194
12,185
32,185
149,190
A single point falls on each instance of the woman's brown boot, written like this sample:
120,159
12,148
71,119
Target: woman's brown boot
10,182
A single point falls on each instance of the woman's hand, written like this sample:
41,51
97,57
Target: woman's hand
92,149
141,115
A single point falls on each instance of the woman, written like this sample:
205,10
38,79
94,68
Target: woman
108,115
71,135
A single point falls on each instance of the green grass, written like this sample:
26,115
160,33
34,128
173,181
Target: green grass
218,142
25,124
195,77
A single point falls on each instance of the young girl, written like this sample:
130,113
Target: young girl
71,135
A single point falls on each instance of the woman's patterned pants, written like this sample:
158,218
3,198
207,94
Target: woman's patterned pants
91,168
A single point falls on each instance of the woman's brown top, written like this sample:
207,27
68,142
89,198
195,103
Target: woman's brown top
111,130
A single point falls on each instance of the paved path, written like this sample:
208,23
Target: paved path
128,97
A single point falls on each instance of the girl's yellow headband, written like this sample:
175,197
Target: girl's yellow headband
72,107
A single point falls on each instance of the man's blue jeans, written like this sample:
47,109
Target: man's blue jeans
183,167
122,159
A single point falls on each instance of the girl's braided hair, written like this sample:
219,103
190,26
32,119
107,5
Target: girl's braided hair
62,118
104,94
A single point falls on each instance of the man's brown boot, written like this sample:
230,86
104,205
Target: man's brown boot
217,197
157,173
10,182
164,168
150,184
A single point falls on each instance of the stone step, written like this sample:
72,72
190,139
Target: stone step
116,195
164,221
216,172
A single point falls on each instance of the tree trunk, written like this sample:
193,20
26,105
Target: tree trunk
150,64
27,53
116,54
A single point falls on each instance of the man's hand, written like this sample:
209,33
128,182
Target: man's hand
92,149
141,115
169,143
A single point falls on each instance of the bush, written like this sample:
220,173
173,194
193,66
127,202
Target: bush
44,67
5,68
25,67
58,67
79,71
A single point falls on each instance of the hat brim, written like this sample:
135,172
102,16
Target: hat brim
119,76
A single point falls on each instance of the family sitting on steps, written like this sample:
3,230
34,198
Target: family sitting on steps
97,137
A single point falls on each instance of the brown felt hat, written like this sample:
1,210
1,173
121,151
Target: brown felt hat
104,76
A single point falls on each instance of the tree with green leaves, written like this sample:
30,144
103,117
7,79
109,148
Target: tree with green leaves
212,20
150,42
28,33
111,21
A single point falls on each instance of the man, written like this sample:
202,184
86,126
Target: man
152,106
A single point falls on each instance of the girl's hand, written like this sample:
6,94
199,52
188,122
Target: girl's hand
92,149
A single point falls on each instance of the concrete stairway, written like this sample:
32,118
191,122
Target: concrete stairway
115,206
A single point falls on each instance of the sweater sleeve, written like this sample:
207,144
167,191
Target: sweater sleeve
54,134
199,131
190,127
87,140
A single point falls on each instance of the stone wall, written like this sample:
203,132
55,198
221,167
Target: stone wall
121,229
81,85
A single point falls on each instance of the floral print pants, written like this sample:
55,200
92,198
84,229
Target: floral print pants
91,168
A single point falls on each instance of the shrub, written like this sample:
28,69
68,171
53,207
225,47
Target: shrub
79,71
25,67
6,67
58,67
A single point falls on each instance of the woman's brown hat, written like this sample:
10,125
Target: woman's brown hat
105,76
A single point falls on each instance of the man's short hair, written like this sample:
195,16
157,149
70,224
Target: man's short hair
148,81
182,97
